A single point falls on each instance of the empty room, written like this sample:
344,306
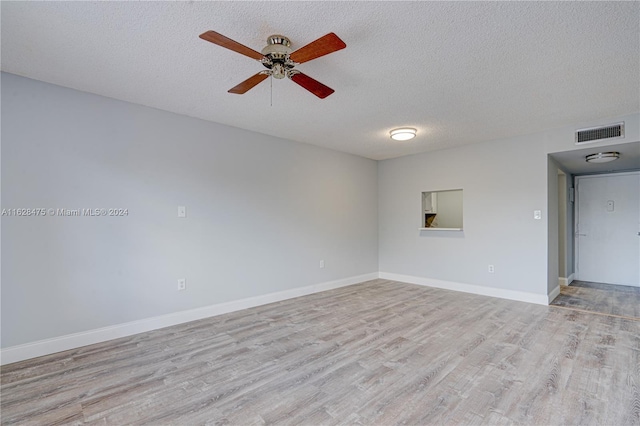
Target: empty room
320,213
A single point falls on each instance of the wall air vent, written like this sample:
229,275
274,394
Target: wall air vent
594,134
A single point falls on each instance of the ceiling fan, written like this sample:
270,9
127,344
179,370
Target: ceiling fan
280,60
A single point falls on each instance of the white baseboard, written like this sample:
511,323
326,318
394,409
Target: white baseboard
89,337
566,281
553,294
540,299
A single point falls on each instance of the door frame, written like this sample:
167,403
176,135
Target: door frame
576,204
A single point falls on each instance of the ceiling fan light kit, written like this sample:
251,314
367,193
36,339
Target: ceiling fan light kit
280,60
602,157
403,133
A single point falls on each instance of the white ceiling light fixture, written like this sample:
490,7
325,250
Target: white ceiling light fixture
602,157
403,133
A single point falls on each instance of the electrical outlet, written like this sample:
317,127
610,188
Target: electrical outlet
321,264
537,214
491,269
182,284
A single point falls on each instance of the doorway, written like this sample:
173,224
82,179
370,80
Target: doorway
578,289
607,246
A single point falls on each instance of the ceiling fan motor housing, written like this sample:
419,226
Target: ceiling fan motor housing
277,53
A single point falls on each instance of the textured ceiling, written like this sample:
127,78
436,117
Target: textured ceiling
460,72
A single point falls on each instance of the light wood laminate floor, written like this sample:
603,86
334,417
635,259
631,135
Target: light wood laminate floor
607,299
379,352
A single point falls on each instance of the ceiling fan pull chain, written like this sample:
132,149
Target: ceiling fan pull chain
271,98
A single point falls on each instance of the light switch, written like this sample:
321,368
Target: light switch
182,211
537,214
610,206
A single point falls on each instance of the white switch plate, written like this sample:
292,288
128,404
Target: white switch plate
182,284
491,269
182,211
537,214
610,205
321,264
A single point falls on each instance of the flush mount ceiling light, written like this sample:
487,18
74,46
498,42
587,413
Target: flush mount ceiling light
602,157
403,133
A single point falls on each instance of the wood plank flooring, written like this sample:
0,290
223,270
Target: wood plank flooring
379,352
618,300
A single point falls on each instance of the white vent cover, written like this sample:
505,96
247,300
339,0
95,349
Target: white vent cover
594,134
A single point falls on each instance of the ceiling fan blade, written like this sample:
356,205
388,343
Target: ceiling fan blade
322,46
226,42
248,84
314,86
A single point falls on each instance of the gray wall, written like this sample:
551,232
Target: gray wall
553,228
565,225
562,225
261,212
570,223
504,181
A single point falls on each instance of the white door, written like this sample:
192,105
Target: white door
608,228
